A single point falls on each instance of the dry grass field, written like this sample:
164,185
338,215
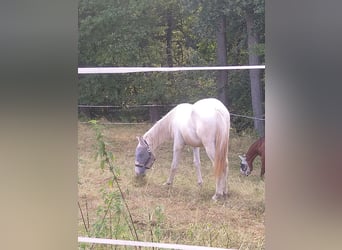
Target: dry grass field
183,214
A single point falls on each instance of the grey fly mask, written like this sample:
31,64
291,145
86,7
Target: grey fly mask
144,157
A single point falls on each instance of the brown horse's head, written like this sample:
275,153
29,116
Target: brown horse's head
143,157
244,167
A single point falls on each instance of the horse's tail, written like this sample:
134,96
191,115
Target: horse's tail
221,144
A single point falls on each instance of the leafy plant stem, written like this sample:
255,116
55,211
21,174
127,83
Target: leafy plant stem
106,158
84,223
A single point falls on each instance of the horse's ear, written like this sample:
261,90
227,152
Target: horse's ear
141,141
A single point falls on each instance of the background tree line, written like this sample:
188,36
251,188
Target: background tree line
174,33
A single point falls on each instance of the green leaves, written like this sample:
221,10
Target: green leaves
114,200
134,33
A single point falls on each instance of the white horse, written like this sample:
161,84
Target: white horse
205,123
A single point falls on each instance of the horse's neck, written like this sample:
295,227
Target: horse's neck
252,152
160,132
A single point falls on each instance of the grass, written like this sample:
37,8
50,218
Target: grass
184,213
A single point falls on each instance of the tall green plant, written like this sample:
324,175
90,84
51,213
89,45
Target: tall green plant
114,218
106,159
115,206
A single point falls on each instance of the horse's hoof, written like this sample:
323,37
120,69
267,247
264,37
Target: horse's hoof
215,197
167,184
218,197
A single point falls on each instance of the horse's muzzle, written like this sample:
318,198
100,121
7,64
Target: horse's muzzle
246,173
139,170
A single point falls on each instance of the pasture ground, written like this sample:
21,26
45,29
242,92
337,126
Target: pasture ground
187,214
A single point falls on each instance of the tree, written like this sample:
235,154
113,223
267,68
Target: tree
252,10
254,74
213,19
250,15
222,75
171,33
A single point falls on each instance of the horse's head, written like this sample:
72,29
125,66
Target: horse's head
244,167
144,158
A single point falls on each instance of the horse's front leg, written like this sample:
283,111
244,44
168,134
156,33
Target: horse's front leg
262,173
174,166
197,163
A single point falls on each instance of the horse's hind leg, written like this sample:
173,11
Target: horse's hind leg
221,183
197,163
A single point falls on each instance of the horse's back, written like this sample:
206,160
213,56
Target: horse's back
182,114
197,122
206,106
206,110
210,117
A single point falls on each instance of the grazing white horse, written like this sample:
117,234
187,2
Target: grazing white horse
205,123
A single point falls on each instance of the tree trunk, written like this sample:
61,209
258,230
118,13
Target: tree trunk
254,75
154,114
169,29
169,37
222,75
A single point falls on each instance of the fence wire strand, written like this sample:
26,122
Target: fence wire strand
155,105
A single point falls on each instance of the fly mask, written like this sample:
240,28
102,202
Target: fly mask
144,157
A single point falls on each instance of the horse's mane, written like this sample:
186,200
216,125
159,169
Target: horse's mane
160,131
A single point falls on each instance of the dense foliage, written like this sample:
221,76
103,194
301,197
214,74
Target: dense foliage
165,33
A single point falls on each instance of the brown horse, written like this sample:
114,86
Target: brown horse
257,148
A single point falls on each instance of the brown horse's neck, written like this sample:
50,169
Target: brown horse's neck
253,151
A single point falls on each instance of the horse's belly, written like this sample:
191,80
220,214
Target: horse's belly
192,139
